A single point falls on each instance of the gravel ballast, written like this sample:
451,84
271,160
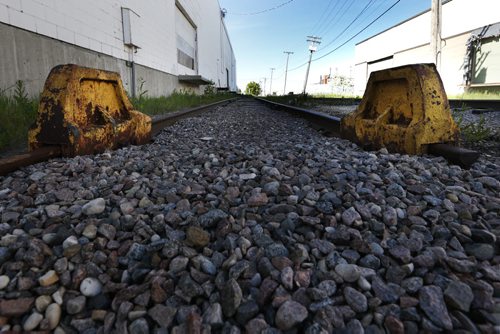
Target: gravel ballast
247,220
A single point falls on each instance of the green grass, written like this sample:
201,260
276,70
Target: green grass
336,96
18,112
176,101
471,132
310,100
478,95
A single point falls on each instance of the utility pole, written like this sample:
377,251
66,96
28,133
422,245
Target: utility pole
288,53
436,20
271,83
264,89
312,48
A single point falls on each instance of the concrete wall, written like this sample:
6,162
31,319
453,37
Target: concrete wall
29,57
409,42
44,33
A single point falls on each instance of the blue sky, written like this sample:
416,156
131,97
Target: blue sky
259,40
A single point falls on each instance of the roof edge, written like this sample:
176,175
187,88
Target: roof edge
400,23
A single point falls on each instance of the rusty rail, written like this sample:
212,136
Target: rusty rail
331,126
454,154
493,105
12,163
162,121
325,123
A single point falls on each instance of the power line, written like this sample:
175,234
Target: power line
318,22
330,15
296,68
370,15
350,39
338,16
350,24
265,10
359,32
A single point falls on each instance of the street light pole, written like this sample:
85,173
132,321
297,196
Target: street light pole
436,20
271,83
288,53
312,48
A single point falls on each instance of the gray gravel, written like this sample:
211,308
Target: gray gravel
264,226
339,111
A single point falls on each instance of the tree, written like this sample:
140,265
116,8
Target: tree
253,88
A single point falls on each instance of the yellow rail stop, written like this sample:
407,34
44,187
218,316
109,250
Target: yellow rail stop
86,111
403,109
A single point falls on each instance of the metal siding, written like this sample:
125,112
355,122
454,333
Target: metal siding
97,26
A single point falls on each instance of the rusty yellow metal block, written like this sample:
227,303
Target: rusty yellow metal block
86,111
403,109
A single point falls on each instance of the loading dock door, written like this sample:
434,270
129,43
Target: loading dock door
186,42
380,64
487,62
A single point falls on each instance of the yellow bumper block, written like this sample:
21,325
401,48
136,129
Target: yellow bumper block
86,111
403,109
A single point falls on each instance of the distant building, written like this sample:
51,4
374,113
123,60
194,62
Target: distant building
156,45
339,83
470,48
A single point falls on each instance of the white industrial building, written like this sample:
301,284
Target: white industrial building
469,59
156,45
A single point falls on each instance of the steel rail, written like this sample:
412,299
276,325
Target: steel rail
481,105
162,121
331,125
12,163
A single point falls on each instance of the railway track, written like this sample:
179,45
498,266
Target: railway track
331,125
328,124
217,226
15,162
479,105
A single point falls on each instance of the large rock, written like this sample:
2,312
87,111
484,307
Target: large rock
53,315
385,292
197,236
432,303
162,315
32,321
94,207
230,297
90,287
355,299
350,215
459,295
259,199
15,307
290,314
211,218
348,272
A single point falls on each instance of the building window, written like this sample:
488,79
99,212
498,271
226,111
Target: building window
486,68
185,39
